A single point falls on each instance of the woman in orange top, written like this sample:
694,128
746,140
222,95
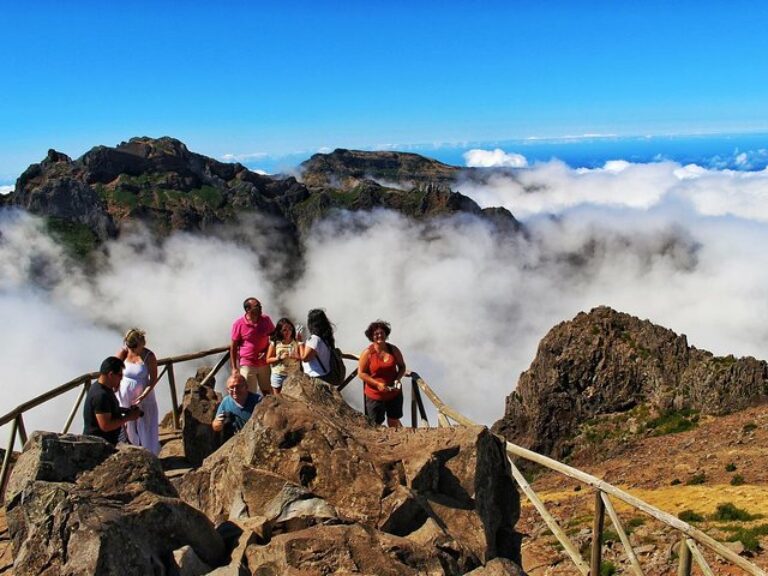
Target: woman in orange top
380,368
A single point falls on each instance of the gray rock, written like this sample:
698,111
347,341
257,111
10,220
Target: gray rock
736,547
341,550
198,409
498,567
607,362
117,517
306,459
189,563
54,457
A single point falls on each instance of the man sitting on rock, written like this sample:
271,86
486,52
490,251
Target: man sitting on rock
102,414
236,408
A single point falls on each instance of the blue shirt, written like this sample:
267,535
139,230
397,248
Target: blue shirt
241,413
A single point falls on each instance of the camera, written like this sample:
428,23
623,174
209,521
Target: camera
228,419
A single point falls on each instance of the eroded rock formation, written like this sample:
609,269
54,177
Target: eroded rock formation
607,361
198,409
77,505
308,474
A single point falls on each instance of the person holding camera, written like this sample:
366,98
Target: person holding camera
102,414
137,389
236,408
381,367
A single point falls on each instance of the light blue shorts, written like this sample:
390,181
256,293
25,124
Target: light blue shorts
277,380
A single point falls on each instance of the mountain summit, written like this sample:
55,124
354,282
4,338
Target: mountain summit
606,362
162,184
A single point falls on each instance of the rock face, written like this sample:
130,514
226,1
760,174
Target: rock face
198,409
162,184
77,505
346,169
156,181
314,486
605,362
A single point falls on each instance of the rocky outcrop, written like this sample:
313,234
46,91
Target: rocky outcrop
198,409
165,186
157,181
346,169
605,362
77,505
308,474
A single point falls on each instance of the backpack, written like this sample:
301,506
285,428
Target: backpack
337,371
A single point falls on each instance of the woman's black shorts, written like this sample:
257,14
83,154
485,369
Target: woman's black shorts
380,409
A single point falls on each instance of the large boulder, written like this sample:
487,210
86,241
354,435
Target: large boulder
341,550
606,362
198,409
116,515
306,459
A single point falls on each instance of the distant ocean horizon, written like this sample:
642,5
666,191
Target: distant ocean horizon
746,152
741,152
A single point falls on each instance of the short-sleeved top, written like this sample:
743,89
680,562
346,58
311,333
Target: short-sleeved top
382,367
252,339
286,365
320,365
100,400
241,413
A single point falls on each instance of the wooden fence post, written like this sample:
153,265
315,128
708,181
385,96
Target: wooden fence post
6,469
22,429
174,398
597,535
76,407
684,565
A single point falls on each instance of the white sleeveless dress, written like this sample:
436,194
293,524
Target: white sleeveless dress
143,432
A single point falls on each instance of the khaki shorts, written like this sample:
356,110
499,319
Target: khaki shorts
257,379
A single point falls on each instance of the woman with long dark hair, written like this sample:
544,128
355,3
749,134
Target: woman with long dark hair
315,353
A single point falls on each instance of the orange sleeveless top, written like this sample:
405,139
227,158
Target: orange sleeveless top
381,367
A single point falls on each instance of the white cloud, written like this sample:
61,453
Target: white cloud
553,187
6,189
681,246
494,158
244,157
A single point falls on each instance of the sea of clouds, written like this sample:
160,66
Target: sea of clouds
680,245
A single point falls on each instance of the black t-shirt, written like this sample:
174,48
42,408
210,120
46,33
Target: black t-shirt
100,400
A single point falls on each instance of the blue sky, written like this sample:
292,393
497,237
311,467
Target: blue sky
243,78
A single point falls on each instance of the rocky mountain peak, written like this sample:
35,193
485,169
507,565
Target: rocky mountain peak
159,182
146,147
604,362
346,168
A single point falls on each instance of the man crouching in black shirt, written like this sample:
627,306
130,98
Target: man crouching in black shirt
102,414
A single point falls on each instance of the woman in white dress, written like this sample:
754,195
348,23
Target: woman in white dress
137,388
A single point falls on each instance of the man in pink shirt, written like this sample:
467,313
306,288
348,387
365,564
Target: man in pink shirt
248,349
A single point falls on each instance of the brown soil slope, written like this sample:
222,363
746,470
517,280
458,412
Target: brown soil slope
723,460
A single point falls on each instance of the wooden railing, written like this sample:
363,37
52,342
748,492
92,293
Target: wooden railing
690,537
16,416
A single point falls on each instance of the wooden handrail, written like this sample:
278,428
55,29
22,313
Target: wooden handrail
16,418
691,535
688,530
72,384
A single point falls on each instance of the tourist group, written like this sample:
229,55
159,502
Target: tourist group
121,406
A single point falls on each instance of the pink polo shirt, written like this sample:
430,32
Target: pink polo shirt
252,340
